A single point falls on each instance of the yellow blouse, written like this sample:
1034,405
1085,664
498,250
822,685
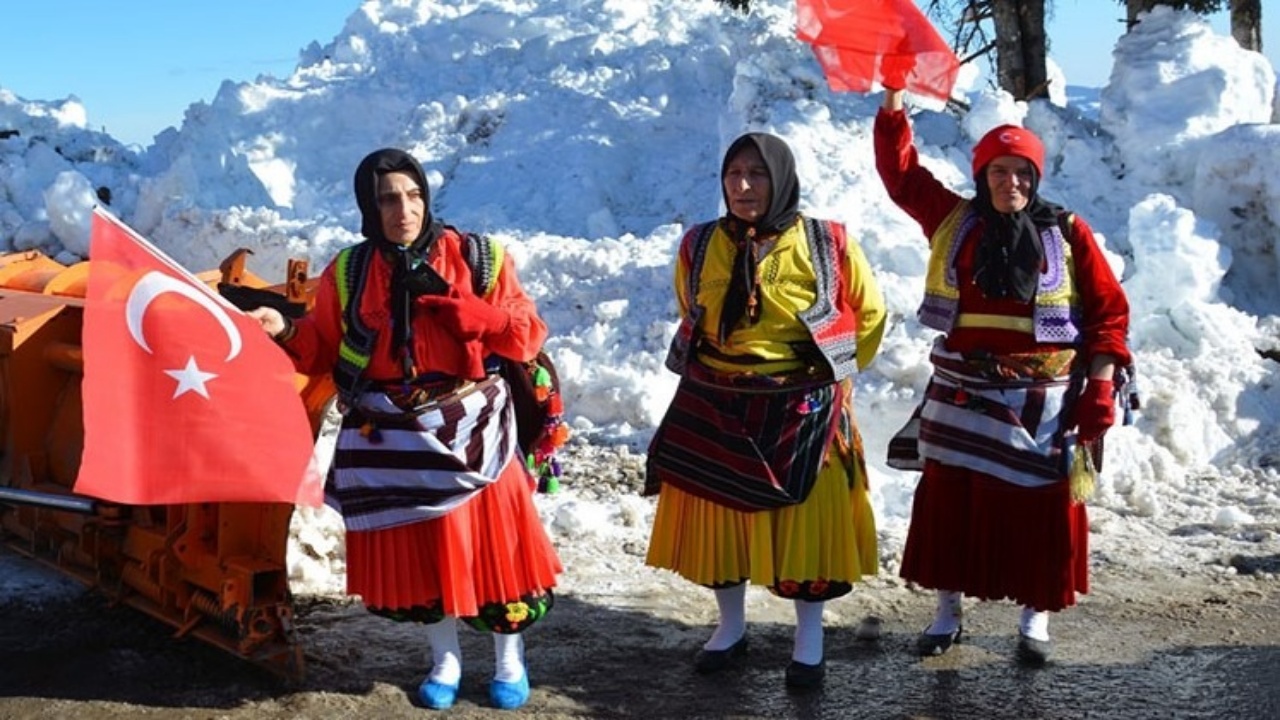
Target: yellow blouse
787,286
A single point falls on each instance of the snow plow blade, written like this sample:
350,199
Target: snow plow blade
213,571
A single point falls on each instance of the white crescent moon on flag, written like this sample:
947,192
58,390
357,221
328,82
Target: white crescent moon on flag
155,284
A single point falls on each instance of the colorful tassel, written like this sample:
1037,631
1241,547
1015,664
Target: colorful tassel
370,432
541,383
560,435
541,378
1083,474
544,469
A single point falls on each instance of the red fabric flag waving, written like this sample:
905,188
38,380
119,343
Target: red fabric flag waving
863,42
186,399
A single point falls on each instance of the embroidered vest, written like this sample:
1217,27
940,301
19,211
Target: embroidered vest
351,270
1057,314
832,324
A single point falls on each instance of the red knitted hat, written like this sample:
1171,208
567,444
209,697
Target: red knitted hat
1008,140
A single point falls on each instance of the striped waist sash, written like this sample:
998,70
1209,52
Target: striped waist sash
393,466
1000,415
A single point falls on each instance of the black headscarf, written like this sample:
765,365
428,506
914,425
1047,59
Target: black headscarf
404,258
371,168
1010,253
784,208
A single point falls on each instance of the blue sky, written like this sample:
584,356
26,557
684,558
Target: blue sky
137,66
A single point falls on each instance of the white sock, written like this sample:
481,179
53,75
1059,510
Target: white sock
1033,624
508,657
446,653
808,648
948,615
732,602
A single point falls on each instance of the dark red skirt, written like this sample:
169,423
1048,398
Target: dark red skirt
994,540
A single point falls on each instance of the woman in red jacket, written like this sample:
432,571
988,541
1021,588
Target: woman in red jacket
1034,328
441,524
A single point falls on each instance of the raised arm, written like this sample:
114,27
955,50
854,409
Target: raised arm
910,186
893,100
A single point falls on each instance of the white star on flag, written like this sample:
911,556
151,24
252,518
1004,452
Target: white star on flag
253,443
190,379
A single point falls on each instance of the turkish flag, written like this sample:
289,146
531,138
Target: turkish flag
890,42
186,399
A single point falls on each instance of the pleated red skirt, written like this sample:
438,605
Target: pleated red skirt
493,549
994,540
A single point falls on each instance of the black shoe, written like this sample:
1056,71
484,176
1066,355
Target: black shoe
710,661
928,645
801,676
1033,652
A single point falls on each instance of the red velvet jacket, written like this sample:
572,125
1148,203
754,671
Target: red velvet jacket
1105,308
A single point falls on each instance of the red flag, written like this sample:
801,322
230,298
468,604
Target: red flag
186,399
863,42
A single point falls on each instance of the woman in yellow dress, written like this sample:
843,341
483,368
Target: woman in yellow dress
758,464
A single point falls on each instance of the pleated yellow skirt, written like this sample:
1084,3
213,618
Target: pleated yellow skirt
830,536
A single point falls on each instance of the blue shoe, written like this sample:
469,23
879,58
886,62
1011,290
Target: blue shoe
436,695
509,695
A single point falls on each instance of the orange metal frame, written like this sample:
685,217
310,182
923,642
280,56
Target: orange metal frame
213,571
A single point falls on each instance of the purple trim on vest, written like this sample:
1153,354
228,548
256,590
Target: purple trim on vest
1052,324
1055,325
937,312
1054,259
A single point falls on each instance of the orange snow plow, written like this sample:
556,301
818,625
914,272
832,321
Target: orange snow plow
213,571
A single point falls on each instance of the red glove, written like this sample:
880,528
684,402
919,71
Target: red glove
466,317
1095,409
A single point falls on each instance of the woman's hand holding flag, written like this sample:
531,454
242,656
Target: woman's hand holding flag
860,43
